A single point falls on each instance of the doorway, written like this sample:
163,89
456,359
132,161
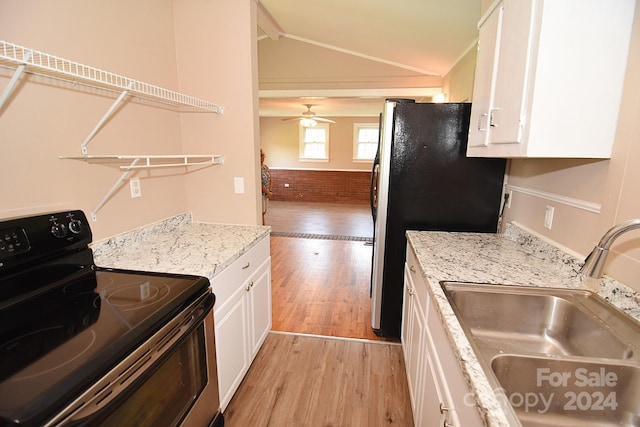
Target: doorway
321,268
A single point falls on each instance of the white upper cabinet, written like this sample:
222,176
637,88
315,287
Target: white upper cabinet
549,78
483,84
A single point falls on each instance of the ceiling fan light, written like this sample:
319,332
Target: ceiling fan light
439,98
308,123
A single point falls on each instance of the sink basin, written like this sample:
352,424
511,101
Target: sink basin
558,357
545,391
541,320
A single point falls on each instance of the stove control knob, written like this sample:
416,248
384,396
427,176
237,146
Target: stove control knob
59,230
75,226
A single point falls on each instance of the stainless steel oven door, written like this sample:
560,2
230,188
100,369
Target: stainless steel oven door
170,380
206,409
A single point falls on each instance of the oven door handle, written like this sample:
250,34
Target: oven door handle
134,366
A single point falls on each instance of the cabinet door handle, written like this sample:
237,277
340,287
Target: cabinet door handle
491,117
249,286
480,120
246,266
443,409
412,269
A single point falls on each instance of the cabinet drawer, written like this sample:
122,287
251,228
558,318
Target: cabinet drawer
415,272
231,278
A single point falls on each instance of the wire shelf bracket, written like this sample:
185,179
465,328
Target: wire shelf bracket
109,113
13,82
150,161
112,190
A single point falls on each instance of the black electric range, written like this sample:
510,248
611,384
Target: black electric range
65,322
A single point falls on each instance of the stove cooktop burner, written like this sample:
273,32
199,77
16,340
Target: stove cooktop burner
57,360
135,296
64,323
79,330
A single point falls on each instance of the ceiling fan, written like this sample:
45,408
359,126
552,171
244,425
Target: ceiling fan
308,118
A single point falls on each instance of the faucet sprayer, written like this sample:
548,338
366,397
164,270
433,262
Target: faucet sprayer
594,263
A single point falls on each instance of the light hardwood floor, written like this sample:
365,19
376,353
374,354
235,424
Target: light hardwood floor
307,381
321,286
320,218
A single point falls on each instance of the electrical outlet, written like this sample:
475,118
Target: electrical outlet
548,217
510,193
136,190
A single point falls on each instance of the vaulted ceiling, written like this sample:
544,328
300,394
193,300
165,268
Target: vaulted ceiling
346,56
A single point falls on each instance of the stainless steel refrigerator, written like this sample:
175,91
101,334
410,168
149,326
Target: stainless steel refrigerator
422,180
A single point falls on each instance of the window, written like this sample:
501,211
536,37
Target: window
314,142
365,141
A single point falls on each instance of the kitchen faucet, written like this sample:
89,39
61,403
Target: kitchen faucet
594,263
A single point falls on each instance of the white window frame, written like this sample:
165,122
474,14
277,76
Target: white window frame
302,158
356,129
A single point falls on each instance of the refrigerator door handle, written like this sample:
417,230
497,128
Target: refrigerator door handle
373,190
375,172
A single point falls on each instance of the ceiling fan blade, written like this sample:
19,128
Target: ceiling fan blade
322,119
317,119
308,115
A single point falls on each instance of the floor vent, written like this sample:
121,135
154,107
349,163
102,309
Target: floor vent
320,236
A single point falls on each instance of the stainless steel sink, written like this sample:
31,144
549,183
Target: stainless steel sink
547,391
543,347
537,320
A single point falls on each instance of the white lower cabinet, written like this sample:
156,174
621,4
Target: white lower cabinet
242,316
259,294
413,333
439,394
232,347
436,406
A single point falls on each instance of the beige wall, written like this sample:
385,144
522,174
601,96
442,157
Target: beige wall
280,141
457,85
589,196
290,64
45,118
217,58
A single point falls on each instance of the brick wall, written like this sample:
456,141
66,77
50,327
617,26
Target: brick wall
320,186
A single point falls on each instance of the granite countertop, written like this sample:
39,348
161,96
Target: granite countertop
179,245
512,258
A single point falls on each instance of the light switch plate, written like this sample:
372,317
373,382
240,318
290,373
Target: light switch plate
238,185
548,217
